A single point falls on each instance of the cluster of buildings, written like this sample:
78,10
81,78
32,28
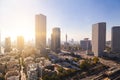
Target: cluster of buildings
98,43
40,37
97,46
8,45
10,67
99,39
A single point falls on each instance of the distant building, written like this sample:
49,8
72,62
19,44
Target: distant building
49,42
66,44
20,43
7,44
108,43
98,38
116,39
85,44
55,40
40,31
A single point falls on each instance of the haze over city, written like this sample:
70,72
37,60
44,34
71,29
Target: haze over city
59,39
74,17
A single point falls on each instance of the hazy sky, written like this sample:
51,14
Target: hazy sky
74,17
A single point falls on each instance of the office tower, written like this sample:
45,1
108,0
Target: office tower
40,31
66,44
85,44
98,38
66,38
20,43
55,39
7,44
116,39
49,42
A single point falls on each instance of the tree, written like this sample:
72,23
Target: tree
85,64
95,60
2,77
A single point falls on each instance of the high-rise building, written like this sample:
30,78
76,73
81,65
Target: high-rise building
98,38
66,44
40,31
55,39
7,44
85,44
49,42
66,37
20,43
116,39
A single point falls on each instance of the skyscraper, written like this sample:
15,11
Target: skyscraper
98,38
116,39
7,44
55,39
20,43
40,31
66,37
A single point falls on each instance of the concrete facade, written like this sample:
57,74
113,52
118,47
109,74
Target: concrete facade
40,31
98,38
85,44
20,43
115,39
55,39
7,44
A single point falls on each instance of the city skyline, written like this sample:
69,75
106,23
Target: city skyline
74,17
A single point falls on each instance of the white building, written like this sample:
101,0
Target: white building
32,71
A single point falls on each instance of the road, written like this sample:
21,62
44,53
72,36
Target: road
109,63
23,76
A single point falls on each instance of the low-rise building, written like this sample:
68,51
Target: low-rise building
32,72
12,75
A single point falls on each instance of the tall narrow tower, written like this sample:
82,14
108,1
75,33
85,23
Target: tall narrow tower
116,39
20,43
66,38
7,44
40,31
98,38
55,39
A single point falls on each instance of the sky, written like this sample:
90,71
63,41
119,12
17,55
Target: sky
74,17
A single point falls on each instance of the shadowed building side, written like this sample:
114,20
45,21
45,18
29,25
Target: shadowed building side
98,38
7,44
115,39
55,40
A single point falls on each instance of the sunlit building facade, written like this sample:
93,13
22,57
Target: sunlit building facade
55,39
20,43
7,44
40,31
115,39
98,38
